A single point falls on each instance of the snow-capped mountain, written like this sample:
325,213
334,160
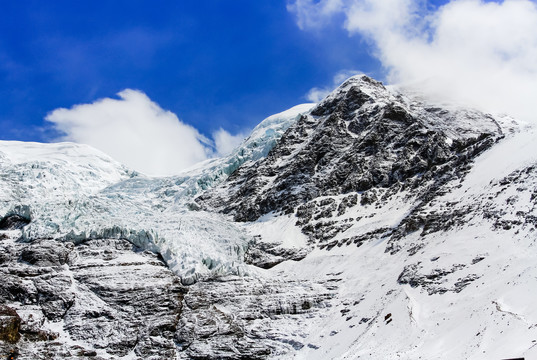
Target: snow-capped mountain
372,225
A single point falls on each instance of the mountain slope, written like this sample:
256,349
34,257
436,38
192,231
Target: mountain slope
417,243
372,225
362,144
460,287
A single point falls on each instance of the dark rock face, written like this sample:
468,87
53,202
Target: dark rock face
10,323
363,141
266,255
247,318
48,253
13,222
102,297
433,282
107,299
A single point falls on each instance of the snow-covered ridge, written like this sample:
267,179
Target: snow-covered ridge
256,146
47,171
75,192
421,246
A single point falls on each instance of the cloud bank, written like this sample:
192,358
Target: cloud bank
476,53
139,133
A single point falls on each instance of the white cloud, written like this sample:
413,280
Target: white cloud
316,94
225,143
312,13
135,131
482,54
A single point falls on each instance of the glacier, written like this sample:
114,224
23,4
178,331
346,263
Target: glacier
73,192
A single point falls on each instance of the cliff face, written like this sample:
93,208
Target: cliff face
372,225
99,298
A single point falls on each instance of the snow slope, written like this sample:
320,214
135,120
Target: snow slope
55,171
469,291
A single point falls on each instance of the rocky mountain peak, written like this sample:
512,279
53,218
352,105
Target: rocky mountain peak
354,92
361,137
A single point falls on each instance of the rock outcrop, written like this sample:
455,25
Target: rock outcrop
249,318
102,298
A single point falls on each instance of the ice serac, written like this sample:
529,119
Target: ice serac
261,140
32,172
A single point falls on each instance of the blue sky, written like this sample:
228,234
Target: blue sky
213,63
174,79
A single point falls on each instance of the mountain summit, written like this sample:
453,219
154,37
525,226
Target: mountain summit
371,225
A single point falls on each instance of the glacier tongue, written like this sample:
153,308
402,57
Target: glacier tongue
74,192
